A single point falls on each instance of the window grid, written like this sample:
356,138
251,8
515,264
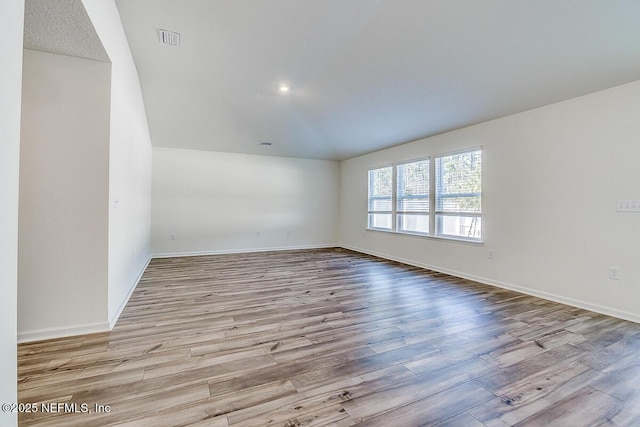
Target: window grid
437,197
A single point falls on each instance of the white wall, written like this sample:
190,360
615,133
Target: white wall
218,202
129,161
551,178
64,178
11,30
69,216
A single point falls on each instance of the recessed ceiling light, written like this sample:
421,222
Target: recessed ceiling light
284,88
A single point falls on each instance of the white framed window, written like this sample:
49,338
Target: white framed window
380,198
458,198
412,197
438,197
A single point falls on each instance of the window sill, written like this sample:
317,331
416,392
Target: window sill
451,239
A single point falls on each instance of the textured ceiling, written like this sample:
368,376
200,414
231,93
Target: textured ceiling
366,74
62,27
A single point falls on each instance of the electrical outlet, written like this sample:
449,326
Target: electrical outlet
614,273
173,236
490,254
257,233
288,232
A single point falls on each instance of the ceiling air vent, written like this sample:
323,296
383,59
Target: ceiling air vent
169,38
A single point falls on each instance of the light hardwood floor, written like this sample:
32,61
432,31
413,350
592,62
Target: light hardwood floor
333,337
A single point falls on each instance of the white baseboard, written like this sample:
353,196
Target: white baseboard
91,328
51,333
609,311
242,251
116,316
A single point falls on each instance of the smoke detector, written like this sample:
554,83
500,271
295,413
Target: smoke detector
169,38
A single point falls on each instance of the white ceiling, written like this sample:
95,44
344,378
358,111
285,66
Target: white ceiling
62,27
366,74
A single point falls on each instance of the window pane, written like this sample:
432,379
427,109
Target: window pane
412,197
413,187
468,227
459,182
380,182
380,198
413,223
380,204
380,221
459,191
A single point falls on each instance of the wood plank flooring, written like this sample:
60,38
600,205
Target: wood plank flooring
333,337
